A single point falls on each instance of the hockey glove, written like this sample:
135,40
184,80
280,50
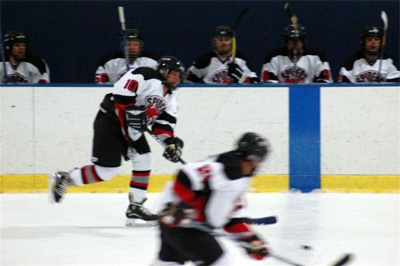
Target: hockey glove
236,73
174,150
136,117
255,247
174,215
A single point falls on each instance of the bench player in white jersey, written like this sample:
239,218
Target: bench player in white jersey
363,66
218,65
21,66
210,192
142,99
114,66
295,62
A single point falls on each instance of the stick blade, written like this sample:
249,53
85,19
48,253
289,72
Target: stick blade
385,19
343,260
290,13
265,220
244,11
287,7
240,16
121,14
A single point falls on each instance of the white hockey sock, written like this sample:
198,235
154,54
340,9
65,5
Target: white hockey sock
93,174
138,194
76,176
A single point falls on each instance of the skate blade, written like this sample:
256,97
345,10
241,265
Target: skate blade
52,182
140,223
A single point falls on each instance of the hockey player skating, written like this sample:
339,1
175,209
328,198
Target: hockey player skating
21,66
209,193
218,66
114,66
300,65
363,66
141,99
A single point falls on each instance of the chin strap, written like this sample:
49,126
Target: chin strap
169,86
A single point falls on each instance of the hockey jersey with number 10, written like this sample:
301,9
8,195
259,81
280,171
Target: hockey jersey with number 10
143,87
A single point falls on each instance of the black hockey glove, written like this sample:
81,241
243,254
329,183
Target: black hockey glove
180,215
136,117
174,150
255,247
236,73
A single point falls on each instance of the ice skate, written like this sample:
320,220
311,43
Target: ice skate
58,184
138,215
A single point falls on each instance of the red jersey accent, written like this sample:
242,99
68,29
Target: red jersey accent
142,185
158,131
139,174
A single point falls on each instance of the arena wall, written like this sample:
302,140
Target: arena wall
334,138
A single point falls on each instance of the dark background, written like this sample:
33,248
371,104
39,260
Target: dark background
72,36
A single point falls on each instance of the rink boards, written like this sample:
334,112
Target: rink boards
341,138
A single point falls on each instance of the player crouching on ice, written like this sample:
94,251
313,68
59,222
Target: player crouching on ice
209,193
141,99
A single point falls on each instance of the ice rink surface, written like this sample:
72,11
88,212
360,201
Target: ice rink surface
88,229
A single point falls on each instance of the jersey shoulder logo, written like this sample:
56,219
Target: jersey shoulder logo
221,76
369,76
16,78
293,74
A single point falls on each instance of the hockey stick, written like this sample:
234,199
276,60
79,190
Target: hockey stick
3,59
342,260
292,16
385,27
235,26
160,141
263,220
124,39
295,22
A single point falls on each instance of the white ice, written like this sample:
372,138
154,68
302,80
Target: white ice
88,229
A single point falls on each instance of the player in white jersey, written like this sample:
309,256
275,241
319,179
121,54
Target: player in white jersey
218,66
363,66
210,193
21,66
114,66
141,100
295,62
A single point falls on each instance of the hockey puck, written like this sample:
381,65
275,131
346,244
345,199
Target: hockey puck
306,247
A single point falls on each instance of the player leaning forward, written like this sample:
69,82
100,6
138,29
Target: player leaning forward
142,98
210,192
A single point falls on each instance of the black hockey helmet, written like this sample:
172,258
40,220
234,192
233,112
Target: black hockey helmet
13,37
290,33
168,63
221,31
133,34
252,146
370,31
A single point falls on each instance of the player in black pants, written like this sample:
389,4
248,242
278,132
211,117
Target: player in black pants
209,193
141,100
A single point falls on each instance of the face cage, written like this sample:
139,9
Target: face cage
214,46
164,71
131,57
